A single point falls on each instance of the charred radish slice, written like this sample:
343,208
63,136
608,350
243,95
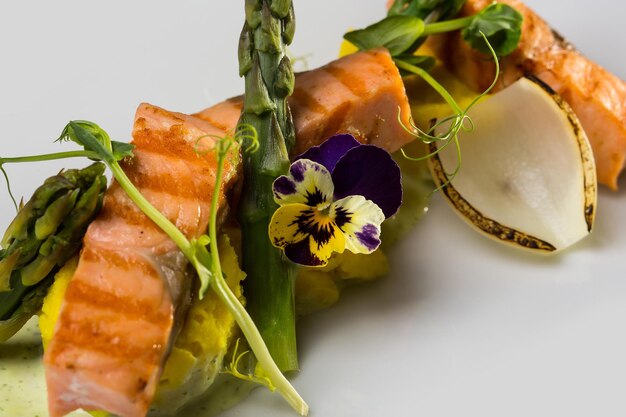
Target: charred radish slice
527,176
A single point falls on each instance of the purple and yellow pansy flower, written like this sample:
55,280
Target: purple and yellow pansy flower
335,197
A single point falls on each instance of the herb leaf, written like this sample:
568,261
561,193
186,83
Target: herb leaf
423,9
502,26
83,134
122,150
94,139
396,33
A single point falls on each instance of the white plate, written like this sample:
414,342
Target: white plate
461,327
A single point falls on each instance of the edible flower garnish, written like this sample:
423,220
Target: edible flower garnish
334,198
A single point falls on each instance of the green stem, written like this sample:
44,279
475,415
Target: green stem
432,82
269,286
269,81
427,156
255,340
245,322
155,215
41,158
51,157
216,266
6,179
447,26
218,282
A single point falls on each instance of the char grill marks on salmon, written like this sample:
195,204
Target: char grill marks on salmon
359,94
597,97
122,308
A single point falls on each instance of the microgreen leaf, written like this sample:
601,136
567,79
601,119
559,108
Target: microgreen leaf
122,150
501,24
410,22
87,135
425,9
396,33
94,139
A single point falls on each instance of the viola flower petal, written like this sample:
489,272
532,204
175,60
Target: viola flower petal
360,221
369,171
307,183
307,253
335,197
300,253
331,151
308,236
327,239
284,229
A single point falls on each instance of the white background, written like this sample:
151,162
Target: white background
462,327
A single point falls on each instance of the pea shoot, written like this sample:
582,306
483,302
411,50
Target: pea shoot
496,31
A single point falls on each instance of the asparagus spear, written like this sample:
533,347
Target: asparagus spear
46,232
269,80
30,304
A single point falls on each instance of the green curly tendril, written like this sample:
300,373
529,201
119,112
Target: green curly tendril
457,122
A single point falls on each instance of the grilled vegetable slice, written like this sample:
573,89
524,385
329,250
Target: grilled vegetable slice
527,176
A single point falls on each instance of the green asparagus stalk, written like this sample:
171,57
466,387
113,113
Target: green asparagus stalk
46,232
269,80
30,304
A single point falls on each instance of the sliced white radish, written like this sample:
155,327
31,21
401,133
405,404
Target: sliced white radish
527,175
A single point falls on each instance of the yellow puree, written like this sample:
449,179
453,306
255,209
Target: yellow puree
209,326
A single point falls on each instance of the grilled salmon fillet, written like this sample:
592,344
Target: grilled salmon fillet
359,94
122,307
597,96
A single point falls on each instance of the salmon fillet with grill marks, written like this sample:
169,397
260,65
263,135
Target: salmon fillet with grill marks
359,94
597,96
122,307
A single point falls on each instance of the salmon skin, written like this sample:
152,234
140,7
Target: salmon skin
123,307
359,94
597,97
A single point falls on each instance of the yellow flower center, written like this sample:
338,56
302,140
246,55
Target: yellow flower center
321,215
